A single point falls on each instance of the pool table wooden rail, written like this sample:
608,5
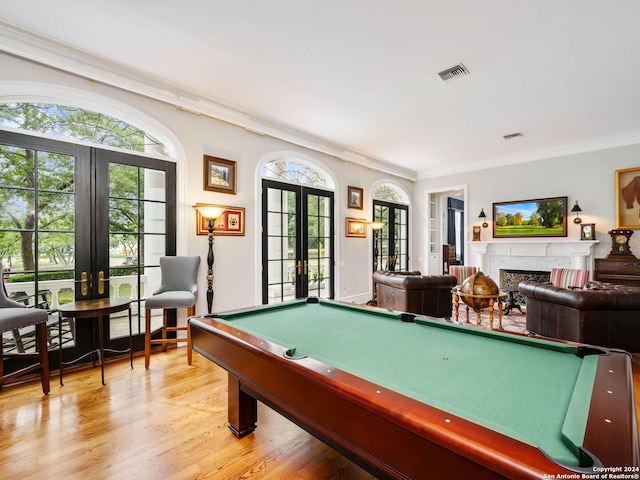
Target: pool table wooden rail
390,435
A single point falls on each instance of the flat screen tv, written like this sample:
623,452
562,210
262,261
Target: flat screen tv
543,217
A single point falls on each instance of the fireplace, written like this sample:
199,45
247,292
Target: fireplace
509,281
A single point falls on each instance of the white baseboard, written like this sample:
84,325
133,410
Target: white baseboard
360,298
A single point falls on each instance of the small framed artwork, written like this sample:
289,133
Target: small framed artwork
587,231
231,222
476,233
355,195
628,198
356,227
219,175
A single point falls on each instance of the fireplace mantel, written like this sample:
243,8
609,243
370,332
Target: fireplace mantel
532,254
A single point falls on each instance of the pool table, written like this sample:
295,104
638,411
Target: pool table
413,397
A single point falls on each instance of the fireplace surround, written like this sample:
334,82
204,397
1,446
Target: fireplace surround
531,255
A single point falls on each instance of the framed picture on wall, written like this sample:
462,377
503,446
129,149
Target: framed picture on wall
219,175
628,198
356,227
231,222
354,195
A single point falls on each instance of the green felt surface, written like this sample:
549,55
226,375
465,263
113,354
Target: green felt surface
535,391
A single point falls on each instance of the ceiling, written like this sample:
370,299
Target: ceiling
363,74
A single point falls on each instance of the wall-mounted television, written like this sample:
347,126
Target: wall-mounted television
543,217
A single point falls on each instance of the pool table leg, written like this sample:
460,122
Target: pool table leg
242,409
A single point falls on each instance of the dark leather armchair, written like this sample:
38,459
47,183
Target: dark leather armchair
608,317
415,293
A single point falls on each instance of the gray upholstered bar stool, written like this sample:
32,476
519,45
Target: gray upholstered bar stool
178,289
15,315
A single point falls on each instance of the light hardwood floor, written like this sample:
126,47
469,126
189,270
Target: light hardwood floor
168,422
165,423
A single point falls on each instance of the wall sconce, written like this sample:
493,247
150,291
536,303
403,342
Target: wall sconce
483,217
211,214
576,208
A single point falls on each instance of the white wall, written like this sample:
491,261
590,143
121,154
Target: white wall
237,259
586,177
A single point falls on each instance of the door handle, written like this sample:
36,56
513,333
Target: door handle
299,266
100,282
84,284
305,267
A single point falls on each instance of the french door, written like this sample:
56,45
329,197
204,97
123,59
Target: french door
393,251
297,242
78,223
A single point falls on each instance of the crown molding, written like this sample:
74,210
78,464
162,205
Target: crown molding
39,49
584,146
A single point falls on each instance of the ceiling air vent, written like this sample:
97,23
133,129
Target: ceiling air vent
512,135
457,71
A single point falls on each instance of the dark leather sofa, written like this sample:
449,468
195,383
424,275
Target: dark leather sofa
415,293
607,316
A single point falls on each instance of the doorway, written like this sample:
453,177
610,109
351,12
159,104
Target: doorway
393,250
297,242
79,222
439,233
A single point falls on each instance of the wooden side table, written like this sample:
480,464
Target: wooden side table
95,308
493,298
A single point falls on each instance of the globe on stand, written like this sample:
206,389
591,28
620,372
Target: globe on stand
478,284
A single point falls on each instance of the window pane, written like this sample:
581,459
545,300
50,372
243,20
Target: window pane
17,166
153,182
152,248
56,172
17,209
123,215
56,212
278,223
123,181
11,243
56,250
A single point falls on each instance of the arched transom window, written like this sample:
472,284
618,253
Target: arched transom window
389,193
296,171
78,124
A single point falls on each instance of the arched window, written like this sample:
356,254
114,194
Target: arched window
389,193
72,123
390,205
296,170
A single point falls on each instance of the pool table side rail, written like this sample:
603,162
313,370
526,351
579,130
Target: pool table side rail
343,410
620,423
